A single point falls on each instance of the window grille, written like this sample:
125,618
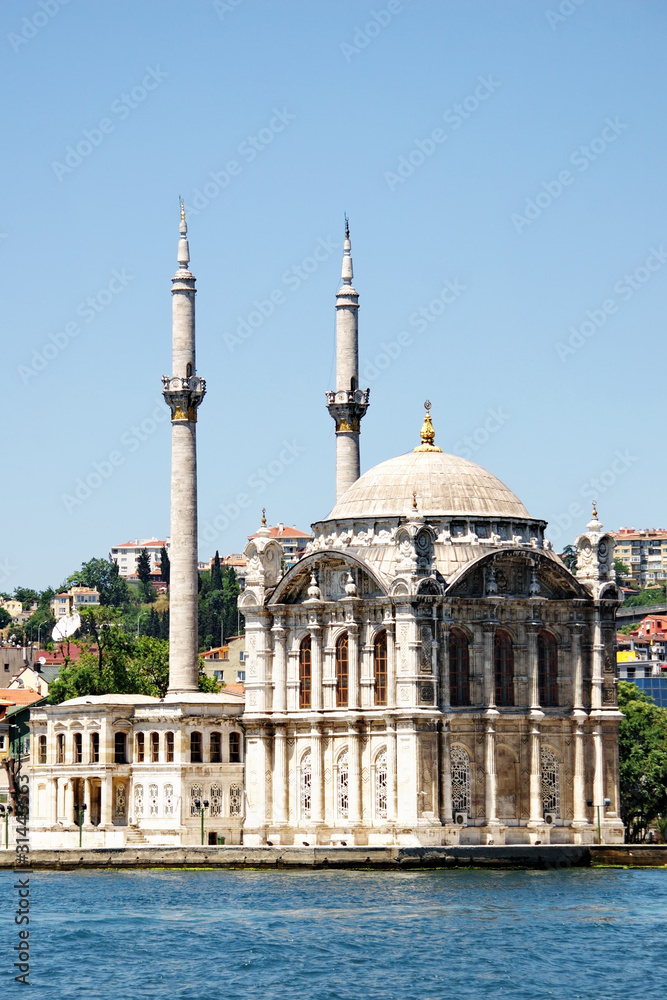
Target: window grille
306,785
381,785
550,782
216,800
152,800
460,767
343,785
235,800
121,801
196,792
169,800
138,800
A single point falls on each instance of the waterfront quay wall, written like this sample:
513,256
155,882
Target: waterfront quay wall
396,858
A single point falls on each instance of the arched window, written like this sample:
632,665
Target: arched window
306,785
342,670
216,800
342,796
381,785
380,667
140,755
169,800
138,800
235,748
60,748
41,750
547,669
78,748
235,800
155,747
459,668
195,748
503,657
216,749
152,800
169,747
120,748
94,748
550,782
460,770
305,668
196,795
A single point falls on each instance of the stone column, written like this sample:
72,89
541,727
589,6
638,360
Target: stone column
316,666
317,802
354,778
279,667
577,668
69,800
54,800
536,816
392,786
579,776
391,665
446,814
598,773
445,688
598,663
183,392
489,667
533,671
87,798
353,665
280,776
491,780
106,810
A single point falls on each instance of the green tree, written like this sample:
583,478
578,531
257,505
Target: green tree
144,574
621,570
653,595
642,760
216,573
165,566
26,596
5,618
103,576
569,557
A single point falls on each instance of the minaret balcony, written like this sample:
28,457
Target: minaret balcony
183,396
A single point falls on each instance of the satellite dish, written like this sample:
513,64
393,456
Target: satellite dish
65,627
42,660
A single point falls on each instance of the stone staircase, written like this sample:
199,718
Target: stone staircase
135,838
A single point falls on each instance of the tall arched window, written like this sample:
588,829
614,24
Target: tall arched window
120,748
342,670
503,656
550,782
342,796
380,667
94,748
460,769
234,748
216,748
169,747
78,748
60,748
547,669
459,668
195,748
381,785
155,748
306,785
41,749
305,669
140,748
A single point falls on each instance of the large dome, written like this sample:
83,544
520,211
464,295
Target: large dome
444,484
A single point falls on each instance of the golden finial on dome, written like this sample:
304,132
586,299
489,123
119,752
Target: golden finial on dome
182,210
595,510
263,517
427,432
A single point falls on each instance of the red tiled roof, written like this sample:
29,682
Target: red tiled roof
19,696
150,543
235,688
283,531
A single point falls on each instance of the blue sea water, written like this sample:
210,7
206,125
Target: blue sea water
577,934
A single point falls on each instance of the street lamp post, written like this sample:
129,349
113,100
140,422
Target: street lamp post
141,614
201,805
6,811
81,810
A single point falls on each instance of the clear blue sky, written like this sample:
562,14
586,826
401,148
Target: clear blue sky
482,106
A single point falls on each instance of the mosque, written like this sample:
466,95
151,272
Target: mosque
428,673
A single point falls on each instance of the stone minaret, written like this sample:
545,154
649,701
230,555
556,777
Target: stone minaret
183,392
348,403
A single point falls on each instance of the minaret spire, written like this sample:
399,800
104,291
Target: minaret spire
183,392
347,404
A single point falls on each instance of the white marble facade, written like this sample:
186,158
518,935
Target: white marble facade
430,672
